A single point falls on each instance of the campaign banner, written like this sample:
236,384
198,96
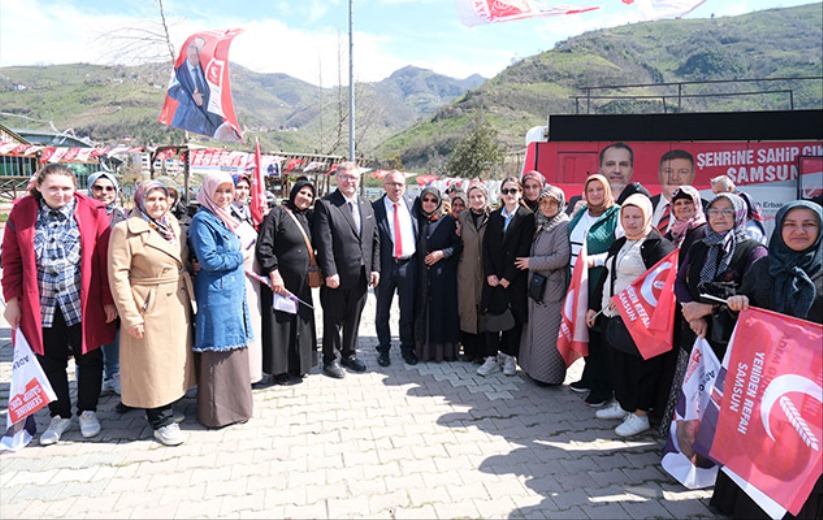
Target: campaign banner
770,423
29,392
647,307
199,97
205,160
681,459
573,335
478,12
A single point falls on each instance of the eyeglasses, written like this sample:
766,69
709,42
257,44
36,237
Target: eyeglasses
427,199
726,212
102,188
393,184
349,178
509,191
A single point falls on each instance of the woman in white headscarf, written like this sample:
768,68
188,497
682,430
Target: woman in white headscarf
635,379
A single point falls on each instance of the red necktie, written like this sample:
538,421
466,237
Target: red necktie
398,239
663,225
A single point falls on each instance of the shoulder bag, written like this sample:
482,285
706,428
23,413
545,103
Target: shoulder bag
617,335
314,275
537,287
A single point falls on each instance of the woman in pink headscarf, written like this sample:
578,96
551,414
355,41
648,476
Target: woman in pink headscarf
222,325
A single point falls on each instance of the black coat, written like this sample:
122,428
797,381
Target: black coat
340,250
281,246
499,253
436,301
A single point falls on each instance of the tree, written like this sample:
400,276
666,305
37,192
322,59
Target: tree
478,154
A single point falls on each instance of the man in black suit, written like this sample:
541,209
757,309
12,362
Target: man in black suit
676,169
192,92
617,165
397,226
348,252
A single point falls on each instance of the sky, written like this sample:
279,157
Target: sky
308,39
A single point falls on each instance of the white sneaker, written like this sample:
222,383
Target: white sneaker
509,365
112,384
613,411
170,435
632,425
89,425
56,428
490,366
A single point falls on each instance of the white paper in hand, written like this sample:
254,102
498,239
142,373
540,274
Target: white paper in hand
285,303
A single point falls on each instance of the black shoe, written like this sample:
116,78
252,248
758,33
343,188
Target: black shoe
354,364
579,387
283,379
410,357
597,400
383,359
334,370
122,408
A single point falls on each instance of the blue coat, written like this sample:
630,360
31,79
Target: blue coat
222,322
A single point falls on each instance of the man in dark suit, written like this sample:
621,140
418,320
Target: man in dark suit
617,165
397,226
348,252
676,169
191,90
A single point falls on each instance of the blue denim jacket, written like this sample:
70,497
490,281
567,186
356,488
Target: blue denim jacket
222,322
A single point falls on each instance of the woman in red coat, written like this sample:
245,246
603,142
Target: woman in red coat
56,290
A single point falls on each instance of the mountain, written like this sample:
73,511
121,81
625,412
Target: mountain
776,43
114,104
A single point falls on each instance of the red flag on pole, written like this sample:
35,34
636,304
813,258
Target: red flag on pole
199,95
770,426
647,307
477,12
573,336
258,189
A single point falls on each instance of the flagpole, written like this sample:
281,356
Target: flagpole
351,80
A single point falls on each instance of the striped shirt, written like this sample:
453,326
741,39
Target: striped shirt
57,252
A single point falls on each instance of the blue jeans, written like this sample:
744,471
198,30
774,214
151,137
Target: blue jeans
111,357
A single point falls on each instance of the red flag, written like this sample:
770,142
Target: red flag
292,164
770,426
647,307
573,336
199,96
258,189
476,12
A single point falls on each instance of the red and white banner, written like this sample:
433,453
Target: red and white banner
681,457
770,425
573,336
29,392
656,9
205,160
647,307
199,95
478,12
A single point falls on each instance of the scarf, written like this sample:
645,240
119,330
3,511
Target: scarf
794,291
205,197
680,228
438,211
608,198
721,246
110,207
543,223
642,203
161,225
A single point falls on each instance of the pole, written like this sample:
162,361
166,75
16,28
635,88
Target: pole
351,81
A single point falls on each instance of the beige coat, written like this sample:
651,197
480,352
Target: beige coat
470,273
151,285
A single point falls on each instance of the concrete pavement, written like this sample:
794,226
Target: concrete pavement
429,441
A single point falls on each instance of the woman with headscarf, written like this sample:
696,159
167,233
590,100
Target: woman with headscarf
508,237
436,324
597,224
533,182
788,281
57,291
222,325
459,203
689,225
549,257
103,187
635,379
472,226
716,265
289,340
154,296
240,210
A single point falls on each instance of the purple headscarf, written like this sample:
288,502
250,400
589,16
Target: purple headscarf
161,225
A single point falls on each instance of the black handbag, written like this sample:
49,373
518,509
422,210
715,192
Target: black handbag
499,322
537,287
619,337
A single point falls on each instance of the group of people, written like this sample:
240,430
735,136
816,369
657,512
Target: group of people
219,302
